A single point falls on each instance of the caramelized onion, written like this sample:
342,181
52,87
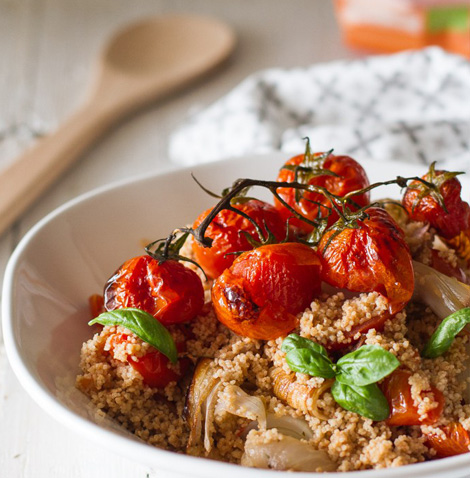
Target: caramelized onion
204,401
285,453
289,426
443,294
237,402
209,407
299,396
202,390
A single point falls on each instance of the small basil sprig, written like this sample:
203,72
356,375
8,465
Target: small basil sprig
144,325
306,356
356,373
444,335
365,400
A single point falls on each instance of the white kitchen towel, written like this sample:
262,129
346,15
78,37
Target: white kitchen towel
412,106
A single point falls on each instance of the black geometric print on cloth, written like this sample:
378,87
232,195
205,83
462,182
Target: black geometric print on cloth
411,133
413,105
362,143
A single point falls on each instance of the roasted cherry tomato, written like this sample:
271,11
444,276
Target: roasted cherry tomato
370,257
424,203
454,440
153,366
169,291
261,293
154,369
397,390
226,232
348,175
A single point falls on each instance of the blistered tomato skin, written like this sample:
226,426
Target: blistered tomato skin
261,293
372,257
403,411
448,224
225,232
169,291
349,176
154,369
451,440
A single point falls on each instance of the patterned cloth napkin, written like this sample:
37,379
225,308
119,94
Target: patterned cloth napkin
412,106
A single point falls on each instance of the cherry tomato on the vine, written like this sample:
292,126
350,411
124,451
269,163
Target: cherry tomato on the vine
452,440
370,257
226,231
169,291
261,293
397,390
425,204
348,175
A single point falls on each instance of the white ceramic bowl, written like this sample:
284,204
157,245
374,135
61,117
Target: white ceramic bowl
67,257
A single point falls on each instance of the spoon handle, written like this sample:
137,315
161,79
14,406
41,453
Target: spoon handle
30,175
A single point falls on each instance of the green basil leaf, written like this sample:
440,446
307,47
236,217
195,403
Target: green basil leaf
310,362
444,335
144,325
368,364
294,341
368,401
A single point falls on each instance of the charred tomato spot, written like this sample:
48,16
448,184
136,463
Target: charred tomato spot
239,303
261,293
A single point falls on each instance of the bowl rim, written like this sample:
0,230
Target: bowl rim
133,448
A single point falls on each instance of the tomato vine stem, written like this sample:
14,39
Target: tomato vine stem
338,203
169,247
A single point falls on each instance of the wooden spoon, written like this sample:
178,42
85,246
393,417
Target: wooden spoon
141,63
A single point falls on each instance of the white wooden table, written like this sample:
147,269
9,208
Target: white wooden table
47,49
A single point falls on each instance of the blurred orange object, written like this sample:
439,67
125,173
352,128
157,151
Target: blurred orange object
394,25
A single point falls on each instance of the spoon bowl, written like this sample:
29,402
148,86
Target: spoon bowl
142,63
156,56
161,44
